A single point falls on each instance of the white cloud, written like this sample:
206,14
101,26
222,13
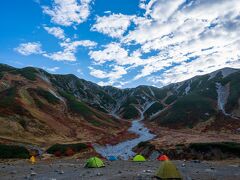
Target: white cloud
162,9
55,31
113,76
69,50
116,73
173,39
113,52
68,12
29,48
187,39
52,69
114,25
209,9
61,56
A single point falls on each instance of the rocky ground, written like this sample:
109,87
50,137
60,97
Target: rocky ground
74,169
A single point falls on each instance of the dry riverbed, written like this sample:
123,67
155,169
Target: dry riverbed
74,169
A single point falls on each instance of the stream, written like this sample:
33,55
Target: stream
124,150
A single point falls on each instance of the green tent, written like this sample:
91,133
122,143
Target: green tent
94,162
168,170
139,158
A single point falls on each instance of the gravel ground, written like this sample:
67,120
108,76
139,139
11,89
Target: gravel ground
73,169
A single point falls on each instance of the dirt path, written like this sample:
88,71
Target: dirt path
73,169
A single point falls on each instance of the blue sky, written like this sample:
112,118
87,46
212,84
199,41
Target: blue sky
124,43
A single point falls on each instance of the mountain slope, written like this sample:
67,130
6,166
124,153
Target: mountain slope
37,106
202,98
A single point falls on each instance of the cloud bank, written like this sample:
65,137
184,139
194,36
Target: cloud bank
169,41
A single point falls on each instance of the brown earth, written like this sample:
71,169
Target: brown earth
168,138
24,121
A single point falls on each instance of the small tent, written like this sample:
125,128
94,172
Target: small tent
32,159
112,158
162,158
168,170
139,158
94,162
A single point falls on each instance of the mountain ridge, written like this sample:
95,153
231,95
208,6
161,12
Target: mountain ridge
74,104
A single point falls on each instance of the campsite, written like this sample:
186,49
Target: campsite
73,169
120,89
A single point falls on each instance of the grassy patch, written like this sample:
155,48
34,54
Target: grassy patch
171,99
1,75
95,122
12,151
106,99
159,93
129,101
7,97
47,95
153,109
28,72
8,104
234,94
6,68
188,110
75,105
23,123
130,112
227,147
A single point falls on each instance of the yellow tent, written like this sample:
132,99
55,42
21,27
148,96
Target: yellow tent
33,159
168,170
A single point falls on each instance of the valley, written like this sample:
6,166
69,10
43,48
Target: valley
43,109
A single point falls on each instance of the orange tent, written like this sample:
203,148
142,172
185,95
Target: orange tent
162,158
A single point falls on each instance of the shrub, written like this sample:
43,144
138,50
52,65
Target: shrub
170,99
129,101
69,152
153,109
13,151
160,93
64,149
8,104
234,94
75,105
47,95
227,147
130,112
7,97
23,123
57,154
189,109
28,73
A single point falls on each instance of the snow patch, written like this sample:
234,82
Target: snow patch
151,91
148,105
141,114
223,93
156,113
53,93
187,89
44,77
